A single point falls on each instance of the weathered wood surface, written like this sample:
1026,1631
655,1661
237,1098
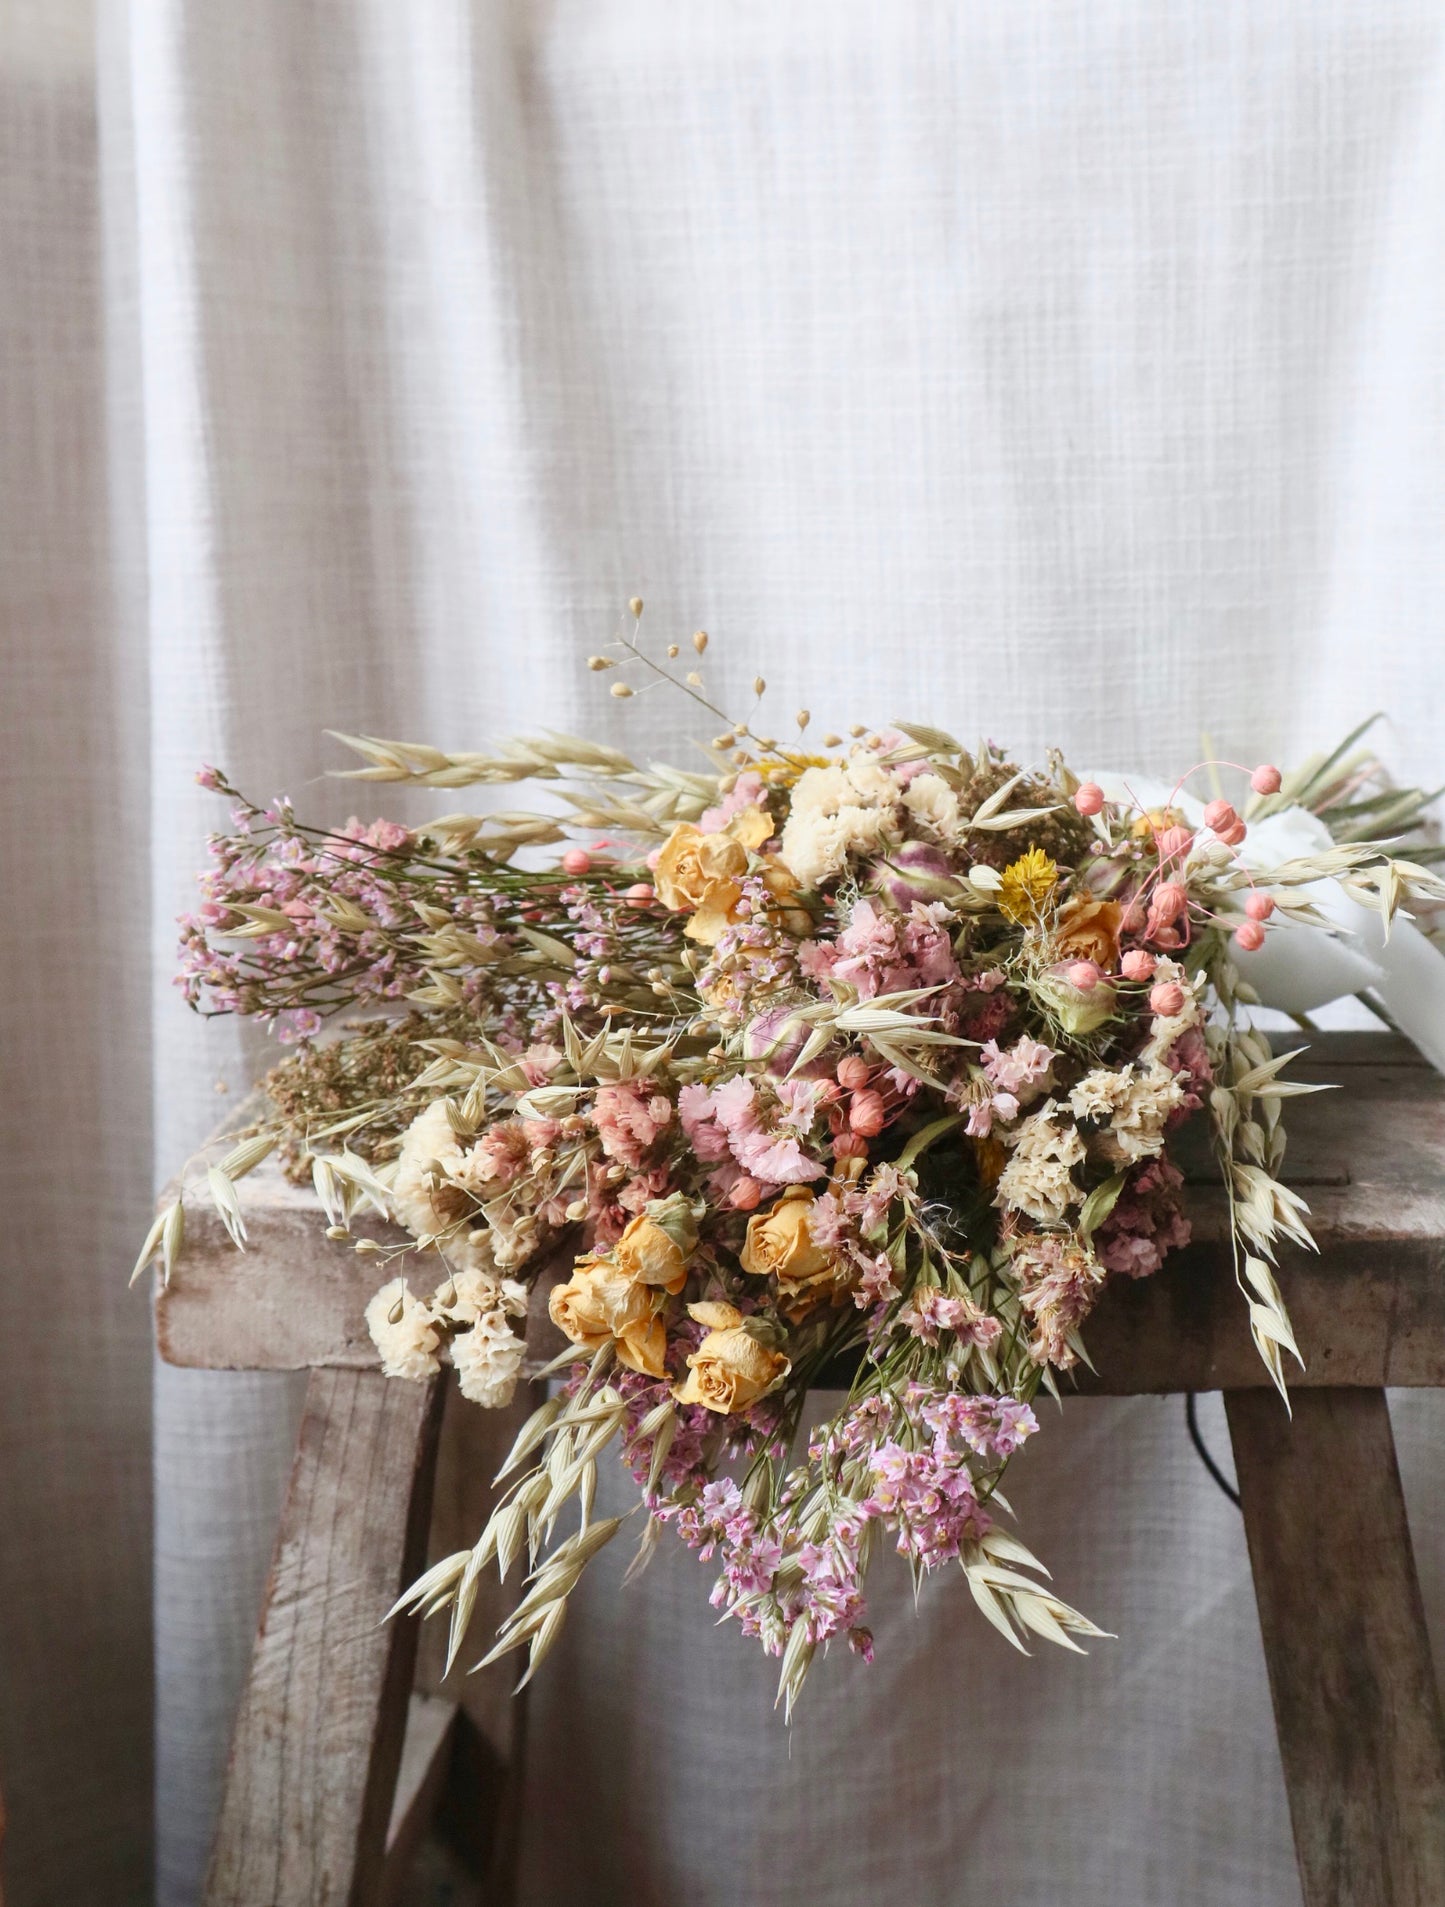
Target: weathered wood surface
1354,1691
479,1814
1370,1310
318,1741
426,1758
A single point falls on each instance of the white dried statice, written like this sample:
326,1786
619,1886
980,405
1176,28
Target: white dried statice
431,1150
407,1342
1038,1178
849,807
1135,1103
488,1360
933,806
470,1294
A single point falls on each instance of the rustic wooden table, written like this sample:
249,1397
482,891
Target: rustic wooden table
346,1744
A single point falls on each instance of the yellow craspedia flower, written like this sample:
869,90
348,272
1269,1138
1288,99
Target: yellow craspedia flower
783,769
1025,888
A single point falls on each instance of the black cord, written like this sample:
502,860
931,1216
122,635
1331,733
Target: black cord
1191,1417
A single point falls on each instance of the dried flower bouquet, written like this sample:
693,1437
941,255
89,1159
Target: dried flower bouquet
870,1054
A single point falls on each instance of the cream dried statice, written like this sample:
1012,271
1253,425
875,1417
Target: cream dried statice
425,1196
1133,1106
848,808
1038,1179
404,1332
488,1360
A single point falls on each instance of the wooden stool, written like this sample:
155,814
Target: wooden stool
336,1763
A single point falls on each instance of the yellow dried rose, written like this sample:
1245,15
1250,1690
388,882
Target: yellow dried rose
701,874
782,884
649,1255
731,1368
1089,930
779,1245
600,1303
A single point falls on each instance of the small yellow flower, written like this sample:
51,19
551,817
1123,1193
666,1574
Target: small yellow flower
784,768
1026,886
1156,820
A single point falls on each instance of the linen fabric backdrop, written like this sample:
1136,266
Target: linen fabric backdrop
1068,370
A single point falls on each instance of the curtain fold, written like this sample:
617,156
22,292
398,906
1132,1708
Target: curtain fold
1064,369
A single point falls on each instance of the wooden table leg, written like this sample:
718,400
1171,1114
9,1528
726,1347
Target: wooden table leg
318,1739
480,1815
1355,1699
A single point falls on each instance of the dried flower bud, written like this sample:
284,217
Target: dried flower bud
635,605
673,652
600,662
746,1194
853,1073
1089,797
1138,965
1249,935
621,690
867,1114
759,685
1166,999
1266,779
699,641
1259,906
803,717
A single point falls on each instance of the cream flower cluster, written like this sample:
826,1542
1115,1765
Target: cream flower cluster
472,1310
1134,1104
850,807
432,1152
1038,1179
442,1183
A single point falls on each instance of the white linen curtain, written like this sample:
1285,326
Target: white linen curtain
1064,369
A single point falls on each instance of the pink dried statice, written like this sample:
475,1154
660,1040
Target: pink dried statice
985,1016
880,952
630,1119
1189,1058
927,1499
1023,1071
1059,1284
983,1112
1147,1222
993,1427
730,1119
499,1157
930,1310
